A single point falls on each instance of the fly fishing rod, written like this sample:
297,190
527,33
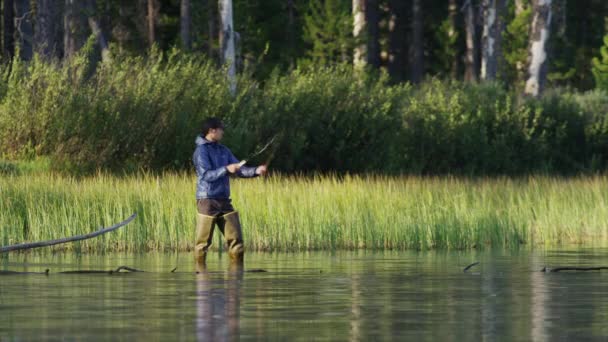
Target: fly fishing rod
260,151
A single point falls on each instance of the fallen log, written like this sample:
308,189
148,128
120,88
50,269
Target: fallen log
559,269
46,272
117,270
31,245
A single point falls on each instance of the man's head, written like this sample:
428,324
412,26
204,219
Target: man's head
213,129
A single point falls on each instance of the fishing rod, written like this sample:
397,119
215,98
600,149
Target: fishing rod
258,152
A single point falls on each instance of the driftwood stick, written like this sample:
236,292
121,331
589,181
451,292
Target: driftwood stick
558,269
67,239
469,266
46,272
127,268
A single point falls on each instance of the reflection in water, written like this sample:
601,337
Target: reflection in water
218,306
538,305
355,310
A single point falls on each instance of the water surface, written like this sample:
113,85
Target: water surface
422,296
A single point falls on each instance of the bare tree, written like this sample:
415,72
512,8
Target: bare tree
470,60
185,22
417,46
227,42
540,31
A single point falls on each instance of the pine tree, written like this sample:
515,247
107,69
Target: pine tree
600,67
328,29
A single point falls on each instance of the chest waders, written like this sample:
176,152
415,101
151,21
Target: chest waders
230,227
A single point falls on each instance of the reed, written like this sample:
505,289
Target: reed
293,213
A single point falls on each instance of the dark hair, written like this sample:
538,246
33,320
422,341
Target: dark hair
211,123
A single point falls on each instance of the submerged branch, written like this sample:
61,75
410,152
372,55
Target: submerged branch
31,245
558,269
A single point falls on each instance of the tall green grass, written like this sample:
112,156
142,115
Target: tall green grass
295,213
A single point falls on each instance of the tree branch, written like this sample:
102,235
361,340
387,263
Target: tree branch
30,245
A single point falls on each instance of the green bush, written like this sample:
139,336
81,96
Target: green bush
143,113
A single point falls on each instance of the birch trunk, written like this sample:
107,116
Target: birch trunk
470,61
540,31
360,51
491,38
227,42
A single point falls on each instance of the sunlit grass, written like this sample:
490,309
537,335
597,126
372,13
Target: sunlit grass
296,213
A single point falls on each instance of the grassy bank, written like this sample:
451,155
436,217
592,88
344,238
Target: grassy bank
294,213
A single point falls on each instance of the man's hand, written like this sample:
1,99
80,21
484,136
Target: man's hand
261,170
233,168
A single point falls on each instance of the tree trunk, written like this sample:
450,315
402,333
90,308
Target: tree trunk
416,46
397,55
151,20
227,42
23,26
291,32
520,6
470,61
96,29
45,29
73,22
365,31
491,38
452,17
540,31
372,18
9,29
561,20
185,23
360,51
212,6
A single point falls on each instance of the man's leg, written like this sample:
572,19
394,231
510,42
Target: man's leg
205,222
204,237
234,236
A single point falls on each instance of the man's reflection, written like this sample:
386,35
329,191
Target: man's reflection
218,305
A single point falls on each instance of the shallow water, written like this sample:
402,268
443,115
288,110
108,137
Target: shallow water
309,296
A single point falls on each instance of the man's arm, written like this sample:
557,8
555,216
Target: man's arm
244,171
203,167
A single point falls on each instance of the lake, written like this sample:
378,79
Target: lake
360,295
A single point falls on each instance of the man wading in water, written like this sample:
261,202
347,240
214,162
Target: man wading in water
214,163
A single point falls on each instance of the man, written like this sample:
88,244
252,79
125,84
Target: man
214,163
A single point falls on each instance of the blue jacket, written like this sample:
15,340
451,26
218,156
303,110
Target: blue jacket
210,160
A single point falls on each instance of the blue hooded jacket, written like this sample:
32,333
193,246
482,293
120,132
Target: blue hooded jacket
210,160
